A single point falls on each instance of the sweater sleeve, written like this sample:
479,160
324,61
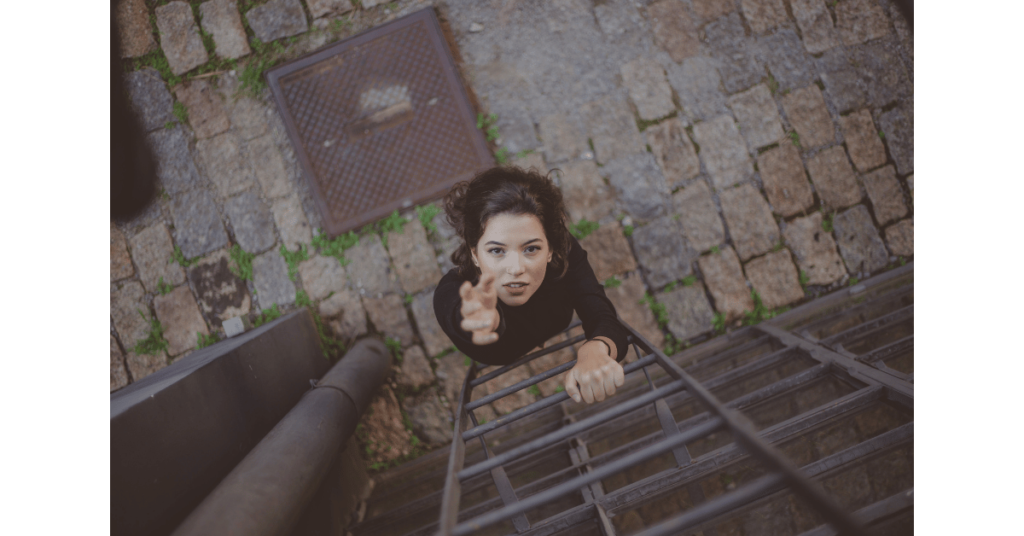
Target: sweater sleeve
590,302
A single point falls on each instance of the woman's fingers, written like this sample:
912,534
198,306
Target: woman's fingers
466,291
486,288
608,382
481,338
587,390
619,375
476,325
570,386
470,307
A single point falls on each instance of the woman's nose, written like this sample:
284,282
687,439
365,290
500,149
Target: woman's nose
514,264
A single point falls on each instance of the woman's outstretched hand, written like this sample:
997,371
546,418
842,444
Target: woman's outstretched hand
596,373
479,310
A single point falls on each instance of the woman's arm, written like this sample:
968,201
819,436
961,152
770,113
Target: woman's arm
592,305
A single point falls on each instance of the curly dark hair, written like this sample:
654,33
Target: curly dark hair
506,190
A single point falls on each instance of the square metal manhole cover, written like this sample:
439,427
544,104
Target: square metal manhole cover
379,121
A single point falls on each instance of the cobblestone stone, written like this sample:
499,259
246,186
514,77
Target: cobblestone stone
180,317
806,111
661,251
645,80
639,186
617,19
276,19
445,241
860,20
126,304
205,109
149,98
563,139
434,340
689,312
610,126
702,226
724,278
910,185
291,222
220,19
345,314
220,294
175,167
179,37
815,23
118,372
712,9
697,84
321,276
900,238
136,38
673,151
758,116
321,8
785,181
866,149
389,317
586,195
751,226
197,226
413,258
370,269
270,277
451,371
886,197
532,160
429,418
674,30
787,59
736,54
898,126
608,251
859,244
120,261
626,299
833,178
252,222
814,249
221,158
774,278
723,151
248,116
386,436
415,370
763,15
268,166
152,250
867,75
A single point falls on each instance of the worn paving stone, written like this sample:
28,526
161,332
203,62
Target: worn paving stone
723,151
862,140
268,166
221,295
532,161
221,158
252,222
142,365
738,62
197,226
118,372
674,151
833,178
702,226
674,31
514,401
900,238
866,75
618,20
152,249
689,313
291,222
175,167
120,261
370,268
321,276
322,8
785,181
389,317
415,370
206,112
220,19
815,250
860,20
135,34
126,303
751,226
898,127
661,251
430,420
270,277
451,371
648,88
775,279
563,139
608,251
610,125
180,317
758,116
547,362
815,24
763,15
150,100
248,116
724,278
885,194
712,9
585,193
517,131
413,258
859,244
640,188
910,185
445,242
179,37
786,58
276,19
386,436
626,299
345,315
434,340
698,86
805,108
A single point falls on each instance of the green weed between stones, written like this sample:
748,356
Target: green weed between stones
158,61
264,56
673,345
466,361
293,258
395,346
392,224
795,138
853,281
302,299
804,279
778,246
426,215
772,83
242,267
487,123
534,390
826,222
202,341
154,343
627,230
329,346
714,249
612,282
169,125
164,288
267,315
407,299
179,258
560,388
583,228
760,313
335,247
718,323
881,134
524,152
660,314
181,113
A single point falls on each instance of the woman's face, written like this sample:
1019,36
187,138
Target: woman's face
515,249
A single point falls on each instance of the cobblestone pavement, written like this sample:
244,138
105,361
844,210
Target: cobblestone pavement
721,146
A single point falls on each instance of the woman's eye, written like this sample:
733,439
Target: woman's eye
495,251
532,249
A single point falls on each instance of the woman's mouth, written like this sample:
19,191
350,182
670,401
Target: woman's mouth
516,286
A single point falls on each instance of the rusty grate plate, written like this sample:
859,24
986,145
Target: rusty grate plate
379,121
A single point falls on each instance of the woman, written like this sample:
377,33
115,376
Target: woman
519,275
